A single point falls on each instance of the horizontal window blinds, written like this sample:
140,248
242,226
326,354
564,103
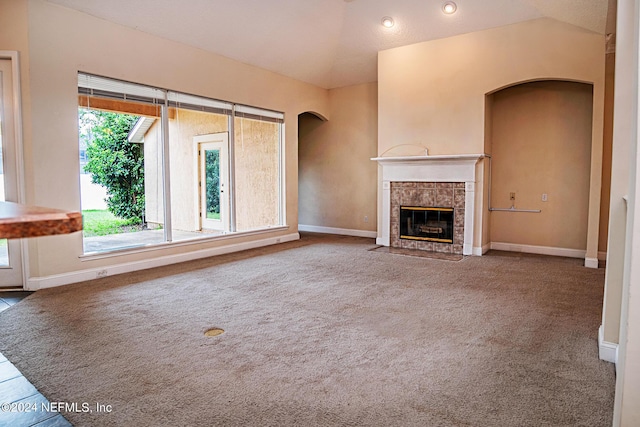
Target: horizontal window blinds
198,103
117,89
92,85
259,114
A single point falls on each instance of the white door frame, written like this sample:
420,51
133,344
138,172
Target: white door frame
17,193
217,141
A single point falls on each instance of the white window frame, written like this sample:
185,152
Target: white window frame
93,85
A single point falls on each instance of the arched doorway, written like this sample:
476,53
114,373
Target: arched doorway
309,182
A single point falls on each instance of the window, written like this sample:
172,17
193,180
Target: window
160,166
257,159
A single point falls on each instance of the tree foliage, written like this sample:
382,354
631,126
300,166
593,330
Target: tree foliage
114,162
212,162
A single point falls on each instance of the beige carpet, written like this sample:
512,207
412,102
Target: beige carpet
324,332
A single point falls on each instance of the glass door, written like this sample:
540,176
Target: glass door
213,182
10,257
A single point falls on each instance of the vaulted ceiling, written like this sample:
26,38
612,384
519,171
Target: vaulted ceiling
330,43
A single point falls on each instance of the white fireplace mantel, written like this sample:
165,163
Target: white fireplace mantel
441,168
436,158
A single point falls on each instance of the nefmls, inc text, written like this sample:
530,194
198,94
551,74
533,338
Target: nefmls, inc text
77,407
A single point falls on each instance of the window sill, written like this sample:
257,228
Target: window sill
154,247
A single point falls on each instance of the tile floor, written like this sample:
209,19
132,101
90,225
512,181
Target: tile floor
20,403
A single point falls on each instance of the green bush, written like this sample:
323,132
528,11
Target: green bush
213,183
114,162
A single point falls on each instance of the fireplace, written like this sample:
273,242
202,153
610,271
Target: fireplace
426,223
443,181
422,216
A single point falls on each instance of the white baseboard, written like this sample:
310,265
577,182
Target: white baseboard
509,247
481,250
542,250
607,351
35,283
591,262
341,231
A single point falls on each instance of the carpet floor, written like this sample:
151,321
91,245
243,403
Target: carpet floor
323,332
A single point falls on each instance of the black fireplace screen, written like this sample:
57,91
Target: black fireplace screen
426,223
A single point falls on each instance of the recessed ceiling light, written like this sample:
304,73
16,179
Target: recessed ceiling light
387,22
449,7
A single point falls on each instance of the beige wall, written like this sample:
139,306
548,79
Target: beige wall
541,143
14,37
337,177
433,93
63,42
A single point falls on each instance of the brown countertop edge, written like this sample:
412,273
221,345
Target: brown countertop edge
17,221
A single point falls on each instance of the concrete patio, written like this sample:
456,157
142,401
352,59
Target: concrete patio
138,239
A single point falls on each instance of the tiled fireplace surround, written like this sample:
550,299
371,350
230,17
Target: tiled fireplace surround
429,181
428,194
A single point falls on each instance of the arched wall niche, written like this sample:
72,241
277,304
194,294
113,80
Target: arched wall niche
539,136
535,80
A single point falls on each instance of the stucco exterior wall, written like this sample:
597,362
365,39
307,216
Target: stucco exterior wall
256,153
186,125
256,173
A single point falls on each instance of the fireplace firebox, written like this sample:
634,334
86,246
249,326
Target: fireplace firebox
426,223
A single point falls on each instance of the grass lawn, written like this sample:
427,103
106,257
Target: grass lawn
103,222
213,215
